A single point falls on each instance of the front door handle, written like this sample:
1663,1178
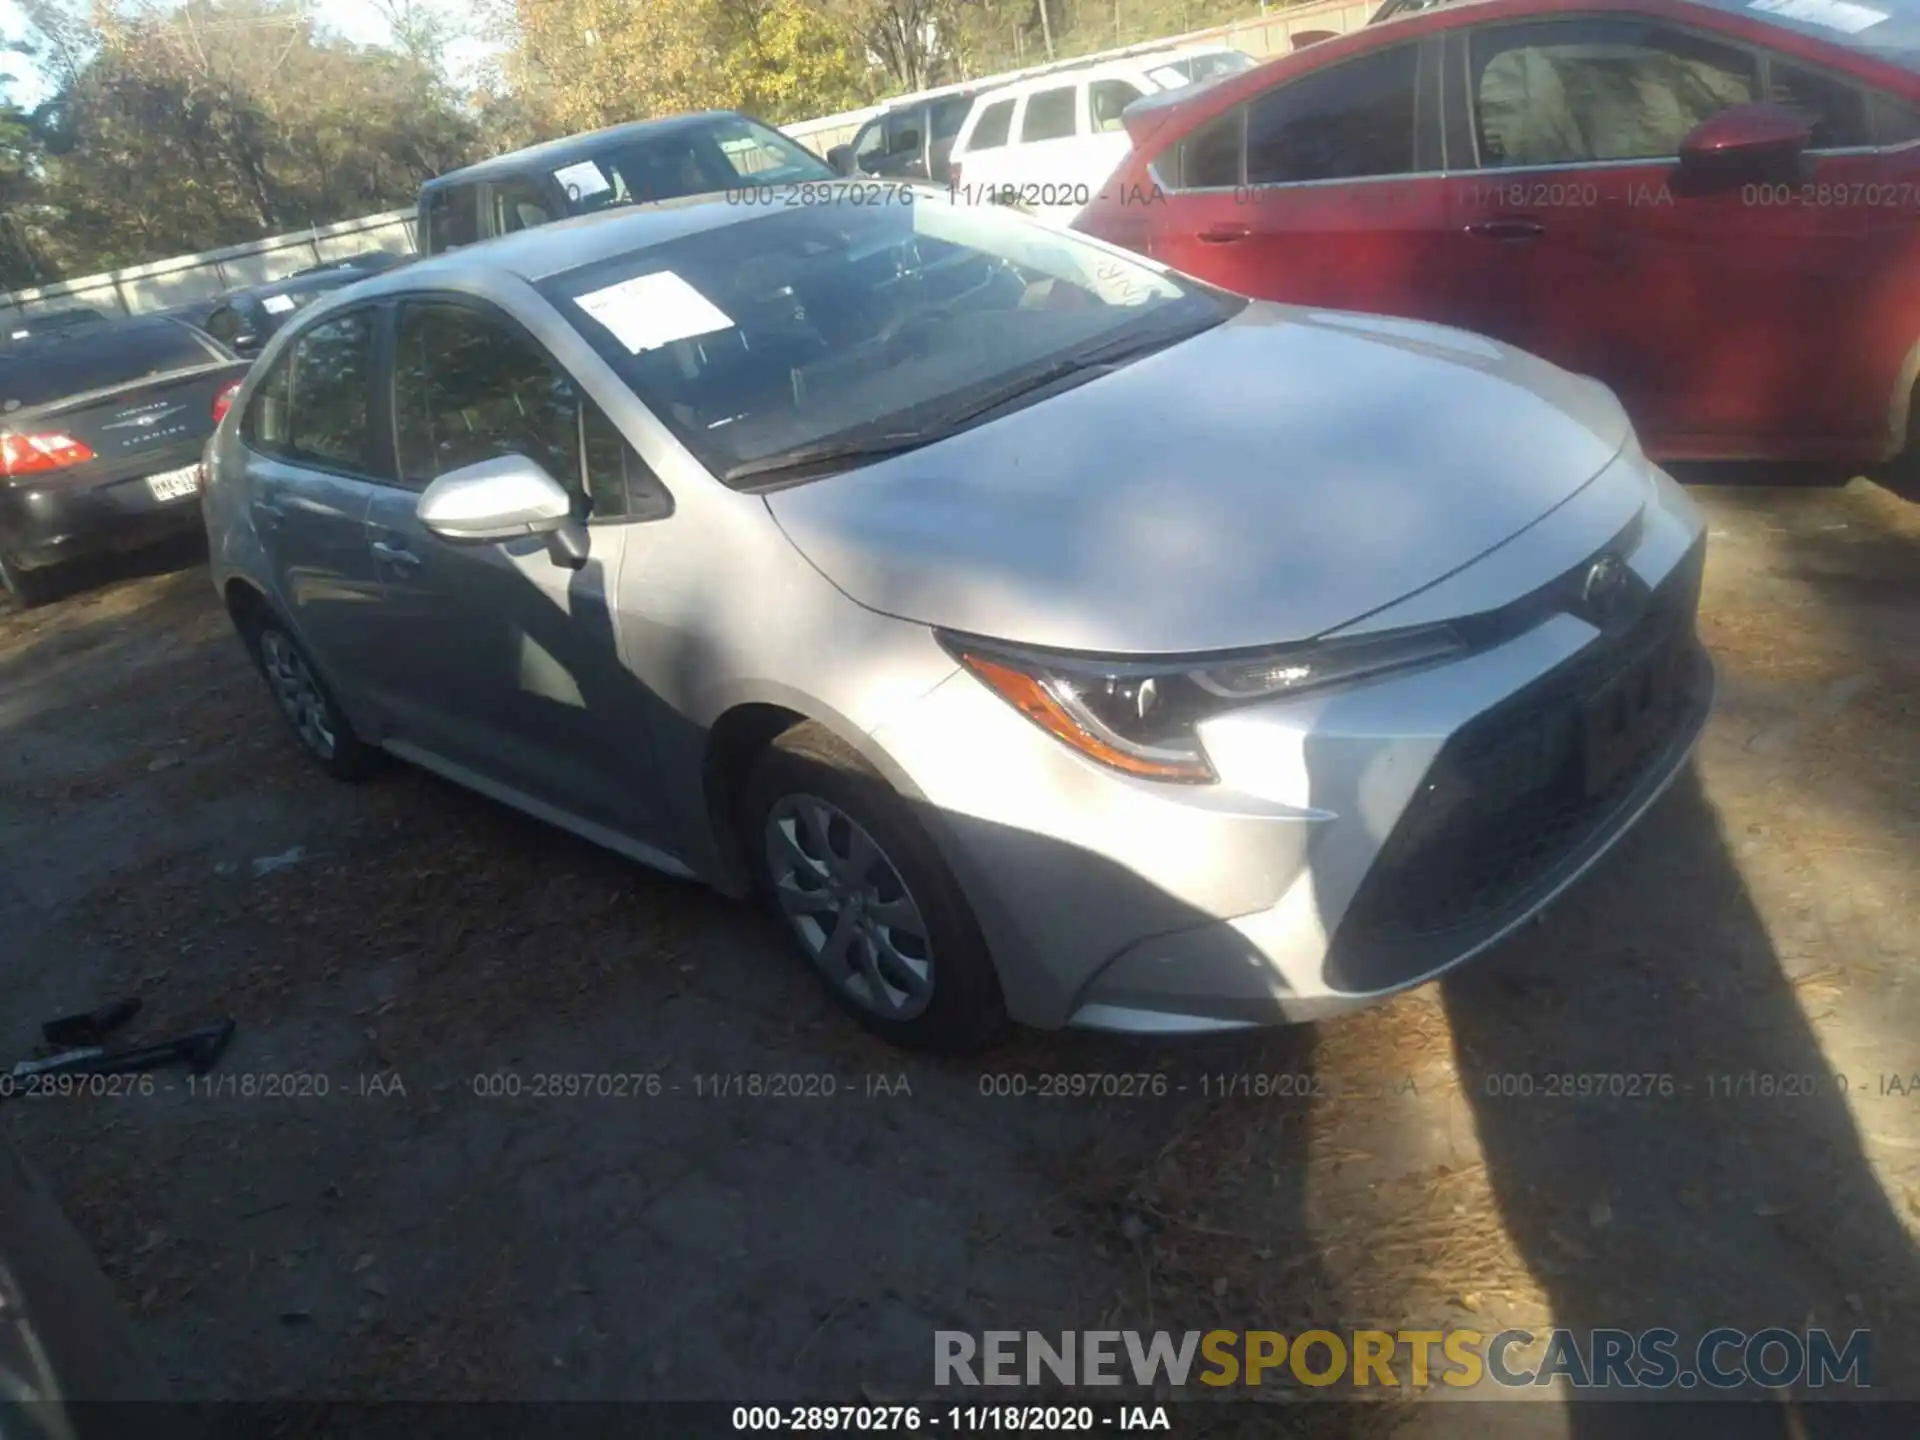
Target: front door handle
395,555
1224,233
1508,227
268,513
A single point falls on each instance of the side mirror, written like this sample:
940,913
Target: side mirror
840,157
505,498
1743,144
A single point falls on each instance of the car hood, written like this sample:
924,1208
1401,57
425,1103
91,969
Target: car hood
1276,477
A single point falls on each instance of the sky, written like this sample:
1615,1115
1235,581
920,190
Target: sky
357,20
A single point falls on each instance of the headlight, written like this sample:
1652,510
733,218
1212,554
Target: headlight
1143,717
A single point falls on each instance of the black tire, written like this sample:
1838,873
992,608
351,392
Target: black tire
28,589
966,1011
271,644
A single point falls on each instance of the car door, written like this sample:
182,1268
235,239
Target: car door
981,151
311,474
1047,157
499,659
1703,308
1322,190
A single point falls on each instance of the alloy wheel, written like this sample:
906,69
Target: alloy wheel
848,904
299,693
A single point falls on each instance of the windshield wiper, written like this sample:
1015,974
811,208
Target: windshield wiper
822,452
1098,358
1088,362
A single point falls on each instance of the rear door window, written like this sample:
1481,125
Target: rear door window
1050,115
1347,123
990,132
94,357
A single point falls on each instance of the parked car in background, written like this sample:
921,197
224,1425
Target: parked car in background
101,431
910,141
1047,144
243,320
646,161
1710,206
19,326
370,261
1043,634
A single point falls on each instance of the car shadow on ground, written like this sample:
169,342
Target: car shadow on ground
95,572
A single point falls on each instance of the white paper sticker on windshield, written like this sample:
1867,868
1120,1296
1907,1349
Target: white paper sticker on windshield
582,179
1839,15
277,304
654,310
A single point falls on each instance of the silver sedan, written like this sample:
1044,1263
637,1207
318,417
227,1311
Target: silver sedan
1044,635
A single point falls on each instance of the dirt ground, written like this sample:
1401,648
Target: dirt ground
406,1235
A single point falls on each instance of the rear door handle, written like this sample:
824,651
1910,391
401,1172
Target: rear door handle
269,512
1508,227
395,555
1224,233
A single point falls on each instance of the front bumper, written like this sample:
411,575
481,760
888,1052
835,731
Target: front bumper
1359,842
51,521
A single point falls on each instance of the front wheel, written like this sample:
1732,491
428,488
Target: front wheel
867,898
317,721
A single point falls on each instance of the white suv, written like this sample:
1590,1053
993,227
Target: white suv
1047,144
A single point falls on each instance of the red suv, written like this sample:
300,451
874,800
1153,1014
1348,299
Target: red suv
1712,205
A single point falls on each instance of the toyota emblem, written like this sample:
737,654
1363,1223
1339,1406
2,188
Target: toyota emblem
1604,587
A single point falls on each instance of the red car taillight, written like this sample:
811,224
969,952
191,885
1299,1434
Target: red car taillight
31,454
223,402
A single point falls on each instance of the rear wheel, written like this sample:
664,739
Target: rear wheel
317,721
867,898
26,588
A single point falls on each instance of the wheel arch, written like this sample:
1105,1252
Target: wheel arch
738,735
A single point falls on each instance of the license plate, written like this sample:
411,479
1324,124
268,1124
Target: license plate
175,484
1626,718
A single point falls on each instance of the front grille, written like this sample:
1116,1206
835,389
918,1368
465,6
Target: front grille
1519,793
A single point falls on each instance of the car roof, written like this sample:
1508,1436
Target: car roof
573,147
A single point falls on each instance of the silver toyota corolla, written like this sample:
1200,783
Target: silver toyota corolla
1044,634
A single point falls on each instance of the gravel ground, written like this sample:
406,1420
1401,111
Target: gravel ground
403,1235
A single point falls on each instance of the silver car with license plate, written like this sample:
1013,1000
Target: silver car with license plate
1044,635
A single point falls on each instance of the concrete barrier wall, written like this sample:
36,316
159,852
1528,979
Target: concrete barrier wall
163,283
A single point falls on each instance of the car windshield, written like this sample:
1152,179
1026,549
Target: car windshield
1885,29
727,154
814,327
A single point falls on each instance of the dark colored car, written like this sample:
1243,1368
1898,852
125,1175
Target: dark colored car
243,320
1708,206
633,164
27,325
101,433
907,142
372,262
